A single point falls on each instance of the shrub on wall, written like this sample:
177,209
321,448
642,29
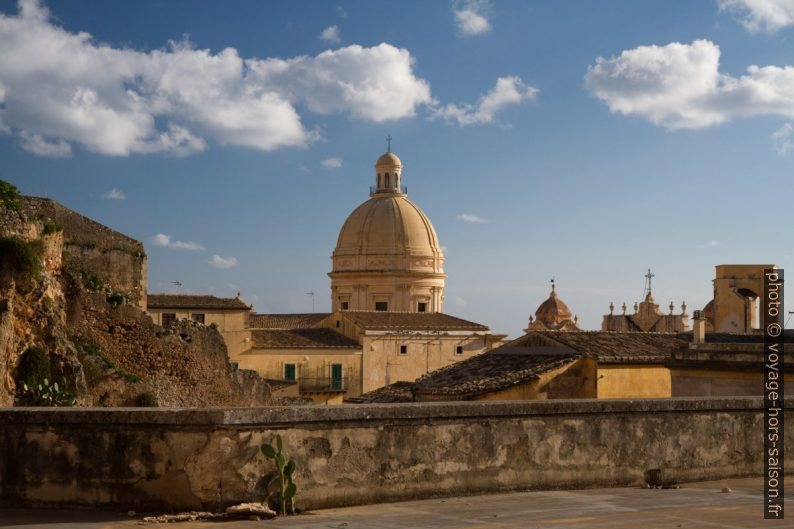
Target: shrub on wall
20,259
34,367
51,227
146,400
9,196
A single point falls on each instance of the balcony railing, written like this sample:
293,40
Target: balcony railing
400,189
325,384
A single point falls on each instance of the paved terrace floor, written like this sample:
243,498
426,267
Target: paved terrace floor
694,505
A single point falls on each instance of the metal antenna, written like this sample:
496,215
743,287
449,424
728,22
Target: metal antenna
388,143
312,295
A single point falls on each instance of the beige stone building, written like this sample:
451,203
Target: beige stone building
737,291
387,255
387,324
335,356
553,315
230,315
647,317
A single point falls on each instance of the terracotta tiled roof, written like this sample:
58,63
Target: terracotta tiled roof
194,301
610,347
496,370
301,338
285,321
397,392
382,320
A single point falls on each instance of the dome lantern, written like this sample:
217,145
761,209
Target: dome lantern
388,171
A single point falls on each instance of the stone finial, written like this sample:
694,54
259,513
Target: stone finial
624,307
683,307
672,307
636,306
611,308
575,318
531,319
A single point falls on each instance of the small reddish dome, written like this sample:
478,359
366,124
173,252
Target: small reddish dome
553,311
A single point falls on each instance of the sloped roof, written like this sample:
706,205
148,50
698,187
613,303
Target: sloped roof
286,321
495,370
301,338
194,301
382,320
610,347
397,392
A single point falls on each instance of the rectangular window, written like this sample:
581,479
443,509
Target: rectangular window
197,318
422,307
345,305
381,305
289,372
403,349
167,319
336,377
337,324
459,350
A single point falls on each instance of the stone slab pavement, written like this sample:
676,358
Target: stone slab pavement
695,505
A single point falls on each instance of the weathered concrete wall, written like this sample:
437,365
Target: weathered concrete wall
183,459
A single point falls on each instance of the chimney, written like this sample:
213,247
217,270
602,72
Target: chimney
698,327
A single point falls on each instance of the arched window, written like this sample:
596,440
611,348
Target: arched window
387,181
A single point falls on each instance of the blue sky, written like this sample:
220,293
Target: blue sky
249,130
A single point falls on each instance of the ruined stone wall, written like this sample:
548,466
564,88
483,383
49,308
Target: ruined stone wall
346,455
120,261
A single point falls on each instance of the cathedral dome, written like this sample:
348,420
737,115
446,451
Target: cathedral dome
553,311
387,255
388,225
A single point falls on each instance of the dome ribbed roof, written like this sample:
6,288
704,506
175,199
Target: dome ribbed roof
389,158
388,225
553,310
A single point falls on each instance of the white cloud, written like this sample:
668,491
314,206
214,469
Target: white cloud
460,302
679,86
61,88
761,15
118,194
466,217
374,84
223,262
782,139
161,239
507,91
37,145
710,244
331,34
471,18
332,163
